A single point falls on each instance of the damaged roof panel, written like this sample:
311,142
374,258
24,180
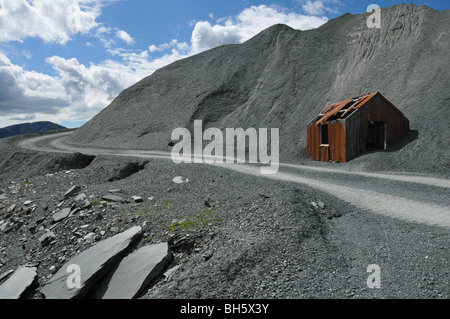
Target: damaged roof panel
341,109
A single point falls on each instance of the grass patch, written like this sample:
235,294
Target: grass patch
157,207
96,202
199,221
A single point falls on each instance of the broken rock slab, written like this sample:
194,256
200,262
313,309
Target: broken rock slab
6,227
10,209
80,198
72,191
18,283
6,274
137,199
113,198
180,180
47,238
88,267
171,271
61,215
86,204
134,273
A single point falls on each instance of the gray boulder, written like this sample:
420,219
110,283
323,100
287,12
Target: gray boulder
93,264
113,198
80,197
18,283
72,191
61,215
134,273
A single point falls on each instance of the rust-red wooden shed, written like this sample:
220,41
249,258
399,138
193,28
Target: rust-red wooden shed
346,129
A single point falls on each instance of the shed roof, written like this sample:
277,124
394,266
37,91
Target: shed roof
342,109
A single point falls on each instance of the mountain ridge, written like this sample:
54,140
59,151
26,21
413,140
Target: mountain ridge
29,128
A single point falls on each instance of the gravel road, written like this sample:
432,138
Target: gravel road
310,231
421,199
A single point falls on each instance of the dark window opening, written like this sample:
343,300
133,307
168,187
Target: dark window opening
324,135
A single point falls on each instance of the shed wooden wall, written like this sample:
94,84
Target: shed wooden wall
348,137
313,142
375,110
336,138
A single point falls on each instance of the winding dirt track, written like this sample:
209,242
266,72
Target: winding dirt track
414,198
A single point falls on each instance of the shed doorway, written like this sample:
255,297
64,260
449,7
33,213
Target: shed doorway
376,136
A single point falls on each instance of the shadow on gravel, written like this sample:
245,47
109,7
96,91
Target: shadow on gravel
411,137
69,162
127,170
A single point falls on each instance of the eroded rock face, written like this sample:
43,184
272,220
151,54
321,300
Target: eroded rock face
91,264
134,273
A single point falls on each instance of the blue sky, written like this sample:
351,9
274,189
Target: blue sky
66,60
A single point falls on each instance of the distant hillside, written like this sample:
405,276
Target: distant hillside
29,128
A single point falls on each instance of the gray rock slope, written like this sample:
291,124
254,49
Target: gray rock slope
282,78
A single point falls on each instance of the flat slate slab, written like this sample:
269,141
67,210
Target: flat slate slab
93,264
61,215
113,198
18,283
134,273
72,191
80,197
6,274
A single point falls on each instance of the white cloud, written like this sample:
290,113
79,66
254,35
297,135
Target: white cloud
174,43
27,54
247,24
154,48
124,36
103,30
314,7
78,91
27,93
51,20
206,36
319,7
